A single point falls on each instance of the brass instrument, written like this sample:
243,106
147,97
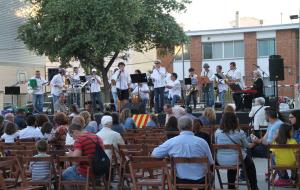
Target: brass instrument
192,89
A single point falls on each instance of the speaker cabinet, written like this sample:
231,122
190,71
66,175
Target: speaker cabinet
276,68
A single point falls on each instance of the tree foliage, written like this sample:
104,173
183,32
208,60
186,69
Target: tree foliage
91,30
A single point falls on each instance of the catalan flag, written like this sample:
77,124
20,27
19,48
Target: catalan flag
141,120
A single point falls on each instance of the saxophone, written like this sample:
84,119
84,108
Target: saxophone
190,90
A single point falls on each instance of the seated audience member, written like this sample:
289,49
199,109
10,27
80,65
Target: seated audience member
59,105
197,130
126,119
61,124
153,122
109,136
189,113
257,114
2,125
10,117
30,131
272,117
294,119
73,110
97,118
41,119
186,145
117,126
229,133
229,108
10,133
284,157
90,126
20,119
176,111
41,170
171,126
48,131
209,117
84,145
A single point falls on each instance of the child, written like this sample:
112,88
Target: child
153,122
47,131
284,157
41,170
10,133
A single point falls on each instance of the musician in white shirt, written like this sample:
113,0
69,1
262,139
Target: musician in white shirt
236,79
114,90
221,85
193,94
142,90
75,98
158,77
57,85
208,88
38,92
123,81
96,91
174,87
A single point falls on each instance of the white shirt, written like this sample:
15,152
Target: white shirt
40,82
259,118
167,80
222,86
69,140
177,112
59,81
109,136
158,76
208,74
9,138
113,87
194,81
235,75
122,80
30,132
175,88
143,90
95,86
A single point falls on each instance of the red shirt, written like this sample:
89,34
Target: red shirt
86,143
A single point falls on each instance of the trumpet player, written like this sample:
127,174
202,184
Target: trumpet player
96,91
222,87
192,89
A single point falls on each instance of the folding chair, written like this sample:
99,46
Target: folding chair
195,160
240,161
78,159
107,177
155,181
273,168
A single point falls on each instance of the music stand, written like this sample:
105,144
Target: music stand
82,79
12,90
139,78
187,81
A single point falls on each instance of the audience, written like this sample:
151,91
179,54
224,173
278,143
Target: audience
117,126
10,133
284,157
10,117
126,119
171,126
109,136
84,145
153,122
30,132
47,131
97,118
186,145
197,130
90,126
229,133
59,105
41,119
61,124
176,111
294,119
41,170
257,114
73,110
20,119
189,113
2,125
209,117
228,108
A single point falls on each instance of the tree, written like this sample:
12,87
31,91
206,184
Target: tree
92,30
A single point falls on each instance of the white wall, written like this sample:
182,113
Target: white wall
263,63
178,68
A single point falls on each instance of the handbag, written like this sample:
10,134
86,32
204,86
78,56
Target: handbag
252,119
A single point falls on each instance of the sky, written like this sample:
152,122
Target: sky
214,14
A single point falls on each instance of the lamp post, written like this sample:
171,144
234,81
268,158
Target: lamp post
292,17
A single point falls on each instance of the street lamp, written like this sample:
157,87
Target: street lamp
292,17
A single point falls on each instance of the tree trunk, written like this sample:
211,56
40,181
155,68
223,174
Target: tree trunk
107,89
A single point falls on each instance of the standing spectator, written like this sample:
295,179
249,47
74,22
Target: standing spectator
117,126
109,136
257,114
10,133
294,118
20,119
186,145
173,111
127,120
229,133
153,122
172,125
30,131
209,117
84,145
90,126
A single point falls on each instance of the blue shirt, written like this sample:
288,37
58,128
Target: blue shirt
297,135
186,145
129,123
272,129
118,128
151,123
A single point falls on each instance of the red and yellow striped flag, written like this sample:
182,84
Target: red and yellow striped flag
141,120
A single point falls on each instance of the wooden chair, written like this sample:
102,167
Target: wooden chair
107,178
195,160
155,182
6,148
45,183
210,130
71,160
240,161
273,168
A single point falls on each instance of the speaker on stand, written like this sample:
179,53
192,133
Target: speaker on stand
276,70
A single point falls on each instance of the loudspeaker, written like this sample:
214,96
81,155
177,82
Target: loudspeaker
276,68
51,73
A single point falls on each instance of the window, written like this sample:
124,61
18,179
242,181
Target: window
186,52
223,50
265,47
